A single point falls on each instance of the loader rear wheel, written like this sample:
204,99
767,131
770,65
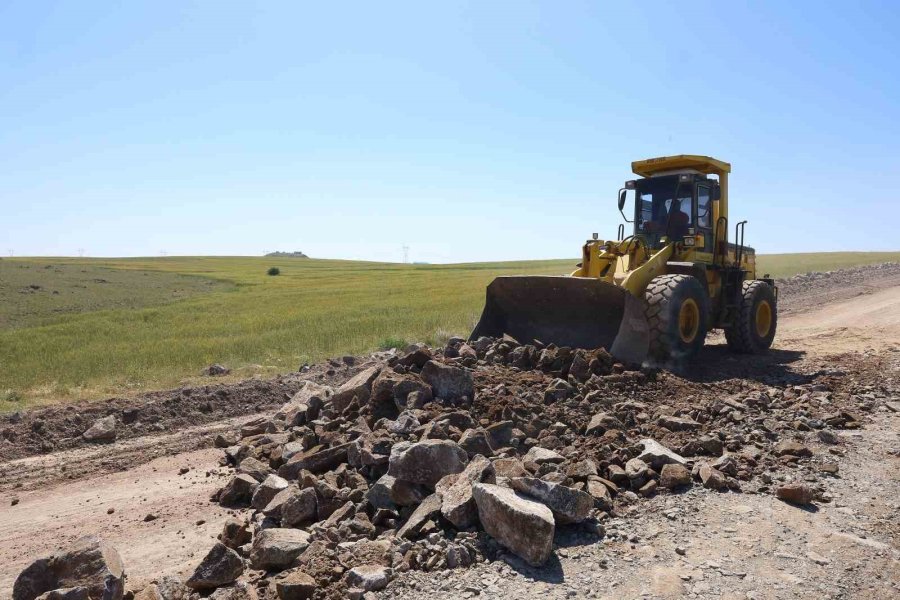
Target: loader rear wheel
757,318
677,314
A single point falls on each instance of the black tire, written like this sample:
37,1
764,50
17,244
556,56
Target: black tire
756,321
666,297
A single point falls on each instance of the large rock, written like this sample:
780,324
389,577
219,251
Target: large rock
656,455
457,503
567,505
103,430
426,462
89,563
359,387
221,566
449,383
317,459
275,549
523,526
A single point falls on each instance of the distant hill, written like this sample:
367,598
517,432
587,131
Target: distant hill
295,254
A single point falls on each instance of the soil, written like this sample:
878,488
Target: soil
746,545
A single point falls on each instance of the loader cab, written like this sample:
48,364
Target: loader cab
674,207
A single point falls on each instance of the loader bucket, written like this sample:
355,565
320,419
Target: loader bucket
578,312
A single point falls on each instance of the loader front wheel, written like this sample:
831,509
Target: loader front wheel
754,326
677,315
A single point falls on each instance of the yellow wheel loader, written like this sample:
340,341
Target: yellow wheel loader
655,293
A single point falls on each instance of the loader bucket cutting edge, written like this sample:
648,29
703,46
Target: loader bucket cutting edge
567,311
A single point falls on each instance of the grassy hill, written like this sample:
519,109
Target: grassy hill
119,326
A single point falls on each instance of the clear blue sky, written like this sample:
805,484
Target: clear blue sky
467,131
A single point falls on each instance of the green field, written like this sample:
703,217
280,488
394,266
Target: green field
156,322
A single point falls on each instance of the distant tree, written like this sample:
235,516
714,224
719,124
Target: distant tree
273,271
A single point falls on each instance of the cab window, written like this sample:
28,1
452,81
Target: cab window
704,216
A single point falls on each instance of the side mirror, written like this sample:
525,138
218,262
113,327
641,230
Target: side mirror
622,199
716,193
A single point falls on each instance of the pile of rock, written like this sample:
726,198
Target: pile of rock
438,459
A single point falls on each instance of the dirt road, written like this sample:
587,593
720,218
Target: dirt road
868,322
735,545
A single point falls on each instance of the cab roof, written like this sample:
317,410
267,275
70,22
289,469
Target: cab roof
704,164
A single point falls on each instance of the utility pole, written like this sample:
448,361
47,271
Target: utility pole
81,252
405,254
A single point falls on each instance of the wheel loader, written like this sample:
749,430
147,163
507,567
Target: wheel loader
653,295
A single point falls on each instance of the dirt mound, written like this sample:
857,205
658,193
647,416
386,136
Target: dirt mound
65,427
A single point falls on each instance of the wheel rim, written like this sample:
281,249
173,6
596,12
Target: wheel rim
688,321
763,318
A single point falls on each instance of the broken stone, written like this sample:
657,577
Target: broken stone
295,585
712,478
235,533
601,422
389,492
457,503
509,468
674,476
317,459
429,508
677,423
238,491
567,505
656,455
89,563
103,430
254,468
276,504
540,456
237,591
267,490
276,548
582,469
359,387
449,383
299,508
369,578
521,525
559,389
792,448
600,493
221,566
795,493
426,462
476,441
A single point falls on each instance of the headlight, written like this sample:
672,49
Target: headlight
689,241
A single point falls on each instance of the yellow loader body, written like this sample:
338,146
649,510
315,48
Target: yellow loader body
657,291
